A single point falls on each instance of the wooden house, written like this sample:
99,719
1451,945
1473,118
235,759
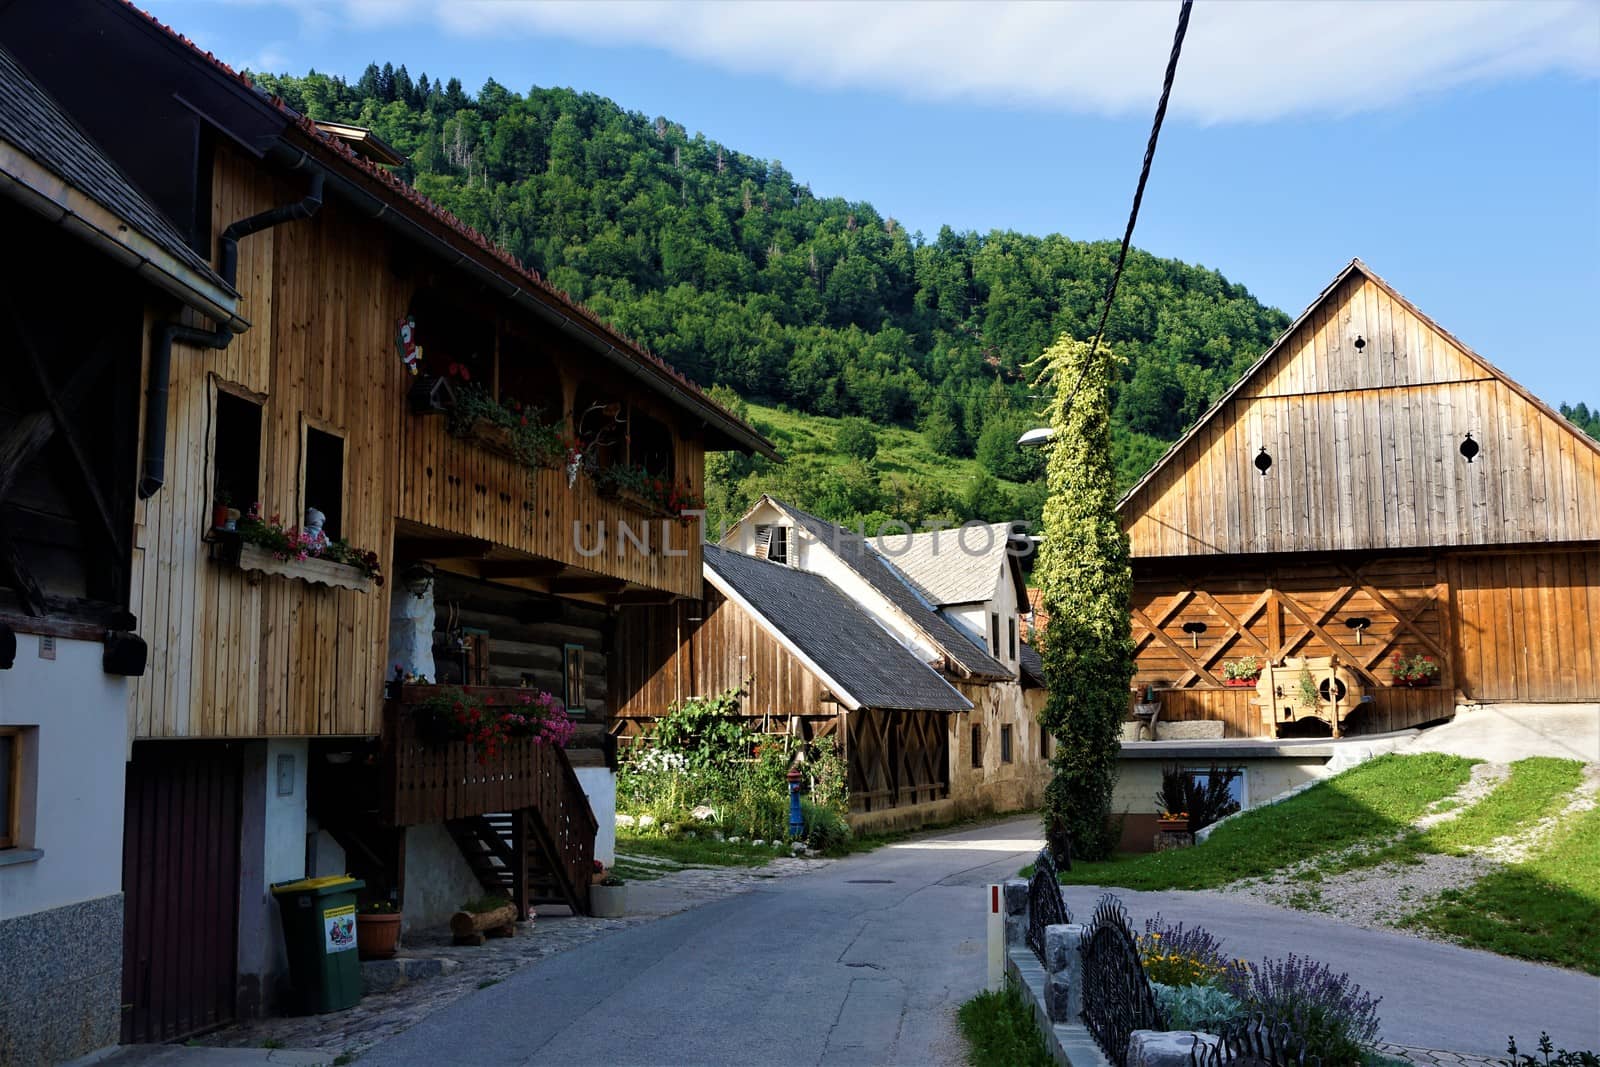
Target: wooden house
913,758
1371,487
376,371
90,260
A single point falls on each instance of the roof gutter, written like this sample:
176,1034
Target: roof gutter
27,182
286,152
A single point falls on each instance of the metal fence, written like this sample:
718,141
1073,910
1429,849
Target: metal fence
1117,999
1045,904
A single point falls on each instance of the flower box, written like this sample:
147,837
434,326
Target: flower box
1415,683
1167,825
1241,683
253,559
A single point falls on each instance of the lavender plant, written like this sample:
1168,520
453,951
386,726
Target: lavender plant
1176,955
1319,1013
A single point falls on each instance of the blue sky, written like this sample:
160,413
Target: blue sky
1454,148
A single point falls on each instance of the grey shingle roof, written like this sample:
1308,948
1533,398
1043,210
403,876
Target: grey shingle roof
32,121
960,566
1032,666
839,637
862,558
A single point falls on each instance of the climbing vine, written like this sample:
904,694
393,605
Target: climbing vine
1086,584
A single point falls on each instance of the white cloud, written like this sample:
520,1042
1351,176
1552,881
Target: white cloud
1243,60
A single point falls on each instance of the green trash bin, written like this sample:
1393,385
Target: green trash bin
319,929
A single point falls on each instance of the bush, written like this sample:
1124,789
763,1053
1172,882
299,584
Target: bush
1196,1007
1321,1014
826,830
1549,1055
1182,793
857,437
1177,956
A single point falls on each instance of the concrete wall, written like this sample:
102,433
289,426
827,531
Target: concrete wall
61,888
437,879
600,786
1139,780
272,849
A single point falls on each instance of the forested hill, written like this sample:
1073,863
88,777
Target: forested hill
731,269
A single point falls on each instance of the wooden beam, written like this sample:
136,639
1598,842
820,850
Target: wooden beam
588,583
412,549
520,568
642,598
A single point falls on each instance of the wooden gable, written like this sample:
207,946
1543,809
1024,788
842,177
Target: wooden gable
1363,406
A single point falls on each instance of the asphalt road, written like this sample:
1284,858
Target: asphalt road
863,962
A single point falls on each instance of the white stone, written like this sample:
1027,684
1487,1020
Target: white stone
646,821
704,812
758,842
1153,1048
626,821
797,846
735,840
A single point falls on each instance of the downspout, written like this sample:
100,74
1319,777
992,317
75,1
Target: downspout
155,425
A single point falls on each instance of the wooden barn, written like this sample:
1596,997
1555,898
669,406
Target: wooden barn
1371,487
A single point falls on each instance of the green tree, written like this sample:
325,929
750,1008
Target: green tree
999,452
1583,418
857,437
1086,583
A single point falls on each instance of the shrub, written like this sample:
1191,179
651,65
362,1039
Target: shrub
826,830
857,437
1319,1013
1196,1007
1182,792
1549,1055
1176,955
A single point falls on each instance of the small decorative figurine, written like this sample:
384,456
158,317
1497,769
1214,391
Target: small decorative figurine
405,343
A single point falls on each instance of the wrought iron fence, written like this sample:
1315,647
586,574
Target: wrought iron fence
1117,999
1045,904
1252,1042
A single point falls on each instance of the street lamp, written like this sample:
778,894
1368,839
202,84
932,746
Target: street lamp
1037,438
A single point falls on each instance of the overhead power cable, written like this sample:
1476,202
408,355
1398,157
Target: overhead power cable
1138,196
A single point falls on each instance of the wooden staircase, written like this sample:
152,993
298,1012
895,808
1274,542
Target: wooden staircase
512,856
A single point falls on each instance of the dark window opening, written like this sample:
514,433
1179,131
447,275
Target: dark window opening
238,456
10,786
651,447
1044,741
324,488
778,547
1005,744
977,746
994,633
599,422
457,342
1011,625
529,380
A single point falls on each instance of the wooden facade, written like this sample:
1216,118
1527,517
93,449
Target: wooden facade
1377,528
240,656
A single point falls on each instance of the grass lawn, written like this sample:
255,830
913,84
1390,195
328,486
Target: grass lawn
1537,787
1000,1032
1546,908
685,852
1366,804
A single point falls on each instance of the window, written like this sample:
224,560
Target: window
1012,624
1237,791
1044,741
977,746
650,446
772,543
10,786
323,485
1005,743
994,633
572,657
237,460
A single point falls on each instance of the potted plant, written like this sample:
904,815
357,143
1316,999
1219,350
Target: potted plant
1414,671
223,515
1172,822
378,930
1240,673
608,897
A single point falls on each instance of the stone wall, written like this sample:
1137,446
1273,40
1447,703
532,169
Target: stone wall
60,982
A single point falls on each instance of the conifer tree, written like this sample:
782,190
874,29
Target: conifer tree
1086,585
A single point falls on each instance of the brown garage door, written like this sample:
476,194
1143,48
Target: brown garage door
1528,625
180,880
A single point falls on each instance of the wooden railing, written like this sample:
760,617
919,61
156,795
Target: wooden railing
438,783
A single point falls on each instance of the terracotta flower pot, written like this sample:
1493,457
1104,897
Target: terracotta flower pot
1240,683
377,936
1172,826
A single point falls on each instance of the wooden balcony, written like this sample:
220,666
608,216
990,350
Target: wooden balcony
457,487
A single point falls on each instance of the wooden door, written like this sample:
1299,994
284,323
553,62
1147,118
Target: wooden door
1528,625
180,881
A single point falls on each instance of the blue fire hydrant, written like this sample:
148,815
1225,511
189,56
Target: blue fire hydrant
797,822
